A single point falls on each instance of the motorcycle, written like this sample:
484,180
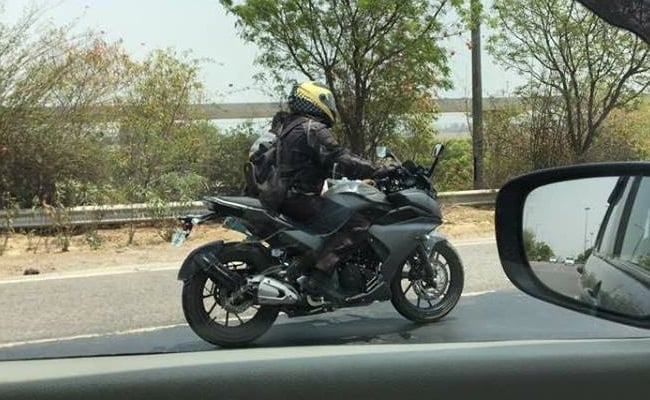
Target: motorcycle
234,291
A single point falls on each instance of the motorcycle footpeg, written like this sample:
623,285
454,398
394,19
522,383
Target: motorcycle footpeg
381,292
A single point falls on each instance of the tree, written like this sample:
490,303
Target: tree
158,132
382,59
50,81
536,250
570,54
224,167
626,134
454,171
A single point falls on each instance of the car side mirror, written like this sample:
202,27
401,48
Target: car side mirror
597,218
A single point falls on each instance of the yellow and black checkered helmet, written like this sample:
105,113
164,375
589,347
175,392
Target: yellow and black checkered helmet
314,99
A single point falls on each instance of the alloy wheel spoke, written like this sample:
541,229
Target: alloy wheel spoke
212,308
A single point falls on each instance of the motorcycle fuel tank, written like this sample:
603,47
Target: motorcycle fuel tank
354,194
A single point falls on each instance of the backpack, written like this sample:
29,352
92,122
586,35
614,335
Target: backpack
265,174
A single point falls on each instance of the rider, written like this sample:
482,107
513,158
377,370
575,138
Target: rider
309,152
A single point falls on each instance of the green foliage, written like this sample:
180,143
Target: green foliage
231,153
93,240
50,85
536,250
454,171
569,54
158,135
626,134
521,139
9,213
175,186
382,59
530,137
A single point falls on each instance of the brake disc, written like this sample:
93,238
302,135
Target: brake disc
235,302
432,290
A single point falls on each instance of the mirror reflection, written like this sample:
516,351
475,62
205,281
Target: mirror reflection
437,149
380,151
589,239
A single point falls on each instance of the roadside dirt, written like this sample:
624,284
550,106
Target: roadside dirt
108,247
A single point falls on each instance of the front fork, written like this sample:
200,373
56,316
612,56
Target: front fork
425,249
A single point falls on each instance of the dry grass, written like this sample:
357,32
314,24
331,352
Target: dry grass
42,253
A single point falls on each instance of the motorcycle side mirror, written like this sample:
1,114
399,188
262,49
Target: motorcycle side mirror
381,151
437,150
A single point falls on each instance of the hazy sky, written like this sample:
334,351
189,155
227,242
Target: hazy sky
203,27
556,213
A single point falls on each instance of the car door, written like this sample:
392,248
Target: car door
616,275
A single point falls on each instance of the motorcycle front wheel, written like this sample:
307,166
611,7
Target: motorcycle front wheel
223,318
429,285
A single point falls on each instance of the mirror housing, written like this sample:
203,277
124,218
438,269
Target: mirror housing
437,150
510,216
381,151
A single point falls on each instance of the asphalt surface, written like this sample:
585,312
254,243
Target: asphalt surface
503,315
137,310
560,278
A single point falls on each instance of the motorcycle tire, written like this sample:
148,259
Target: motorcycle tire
209,328
454,288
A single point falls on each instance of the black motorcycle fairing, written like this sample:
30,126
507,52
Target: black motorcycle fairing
300,239
400,240
416,198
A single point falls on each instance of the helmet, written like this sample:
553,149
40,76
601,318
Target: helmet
313,99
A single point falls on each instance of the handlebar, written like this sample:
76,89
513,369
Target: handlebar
403,177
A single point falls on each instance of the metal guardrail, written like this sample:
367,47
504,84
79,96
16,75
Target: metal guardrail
98,215
130,213
266,110
469,197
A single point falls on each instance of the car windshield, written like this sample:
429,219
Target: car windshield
142,144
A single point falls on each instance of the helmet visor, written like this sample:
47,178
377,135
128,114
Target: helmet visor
328,100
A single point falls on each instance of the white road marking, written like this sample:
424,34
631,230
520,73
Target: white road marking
473,242
127,269
143,330
153,267
89,336
472,294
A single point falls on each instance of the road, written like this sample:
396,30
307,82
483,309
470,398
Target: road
560,278
138,310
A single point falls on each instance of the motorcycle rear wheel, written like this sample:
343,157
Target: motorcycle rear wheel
427,296
237,321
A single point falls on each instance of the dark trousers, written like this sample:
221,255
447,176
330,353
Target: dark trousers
324,216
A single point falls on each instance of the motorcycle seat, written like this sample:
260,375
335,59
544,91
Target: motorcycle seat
250,203
240,202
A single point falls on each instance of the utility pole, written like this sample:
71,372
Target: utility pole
477,95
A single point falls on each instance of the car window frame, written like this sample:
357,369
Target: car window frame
618,194
626,192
